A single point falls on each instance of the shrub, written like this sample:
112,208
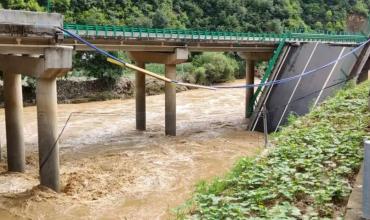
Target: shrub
156,68
214,68
92,64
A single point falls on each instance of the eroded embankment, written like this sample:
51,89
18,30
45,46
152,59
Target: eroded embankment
111,171
82,89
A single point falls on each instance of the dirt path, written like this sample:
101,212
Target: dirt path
111,171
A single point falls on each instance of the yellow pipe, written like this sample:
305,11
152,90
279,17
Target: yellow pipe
133,67
147,72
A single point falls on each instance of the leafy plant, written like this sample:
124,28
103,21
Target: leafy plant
307,175
214,68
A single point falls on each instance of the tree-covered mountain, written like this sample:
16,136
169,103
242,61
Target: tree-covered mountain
227,15
221,15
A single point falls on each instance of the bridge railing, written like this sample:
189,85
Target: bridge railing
111,31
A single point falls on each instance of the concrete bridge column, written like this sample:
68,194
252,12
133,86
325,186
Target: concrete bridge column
170,60
249,92
57,62
46,98
140,98
170,101
250,59
14,121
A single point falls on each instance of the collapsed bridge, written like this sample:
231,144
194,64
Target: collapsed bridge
289,55
307,91
32,44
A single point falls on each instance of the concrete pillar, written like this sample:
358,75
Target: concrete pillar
140,99
170,101
249,79
46,97
14,122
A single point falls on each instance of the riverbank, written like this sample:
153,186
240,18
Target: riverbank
309,174
75,90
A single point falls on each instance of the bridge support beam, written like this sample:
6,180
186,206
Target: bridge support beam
250,59
46,97
56,61
169,60
170,101
140,98
249,92
14,122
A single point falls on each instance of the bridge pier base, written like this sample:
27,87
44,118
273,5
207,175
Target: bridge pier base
170,101
140,99
46,97
14,122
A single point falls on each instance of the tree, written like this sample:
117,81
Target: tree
92,16
61,6
217,15
361,8
214,68
95,65
30,5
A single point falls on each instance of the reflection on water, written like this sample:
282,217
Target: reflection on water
111,171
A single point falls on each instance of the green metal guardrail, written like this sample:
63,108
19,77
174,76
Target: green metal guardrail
123,31
270,67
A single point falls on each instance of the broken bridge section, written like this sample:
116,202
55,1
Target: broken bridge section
303,93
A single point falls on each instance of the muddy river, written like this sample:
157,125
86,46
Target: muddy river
111,171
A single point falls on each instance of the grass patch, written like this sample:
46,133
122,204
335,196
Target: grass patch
307,175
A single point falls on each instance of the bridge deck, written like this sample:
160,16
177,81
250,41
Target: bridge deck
148,39
109,31
115,38
169,45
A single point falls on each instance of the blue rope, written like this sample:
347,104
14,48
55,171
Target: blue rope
270,83
87,43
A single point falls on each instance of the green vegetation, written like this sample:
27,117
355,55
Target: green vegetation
307,175
213,68
223,15
207,68
95,65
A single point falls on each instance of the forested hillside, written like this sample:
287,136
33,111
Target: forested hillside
223,15
236,15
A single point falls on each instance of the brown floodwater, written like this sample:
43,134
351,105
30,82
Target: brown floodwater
111,171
